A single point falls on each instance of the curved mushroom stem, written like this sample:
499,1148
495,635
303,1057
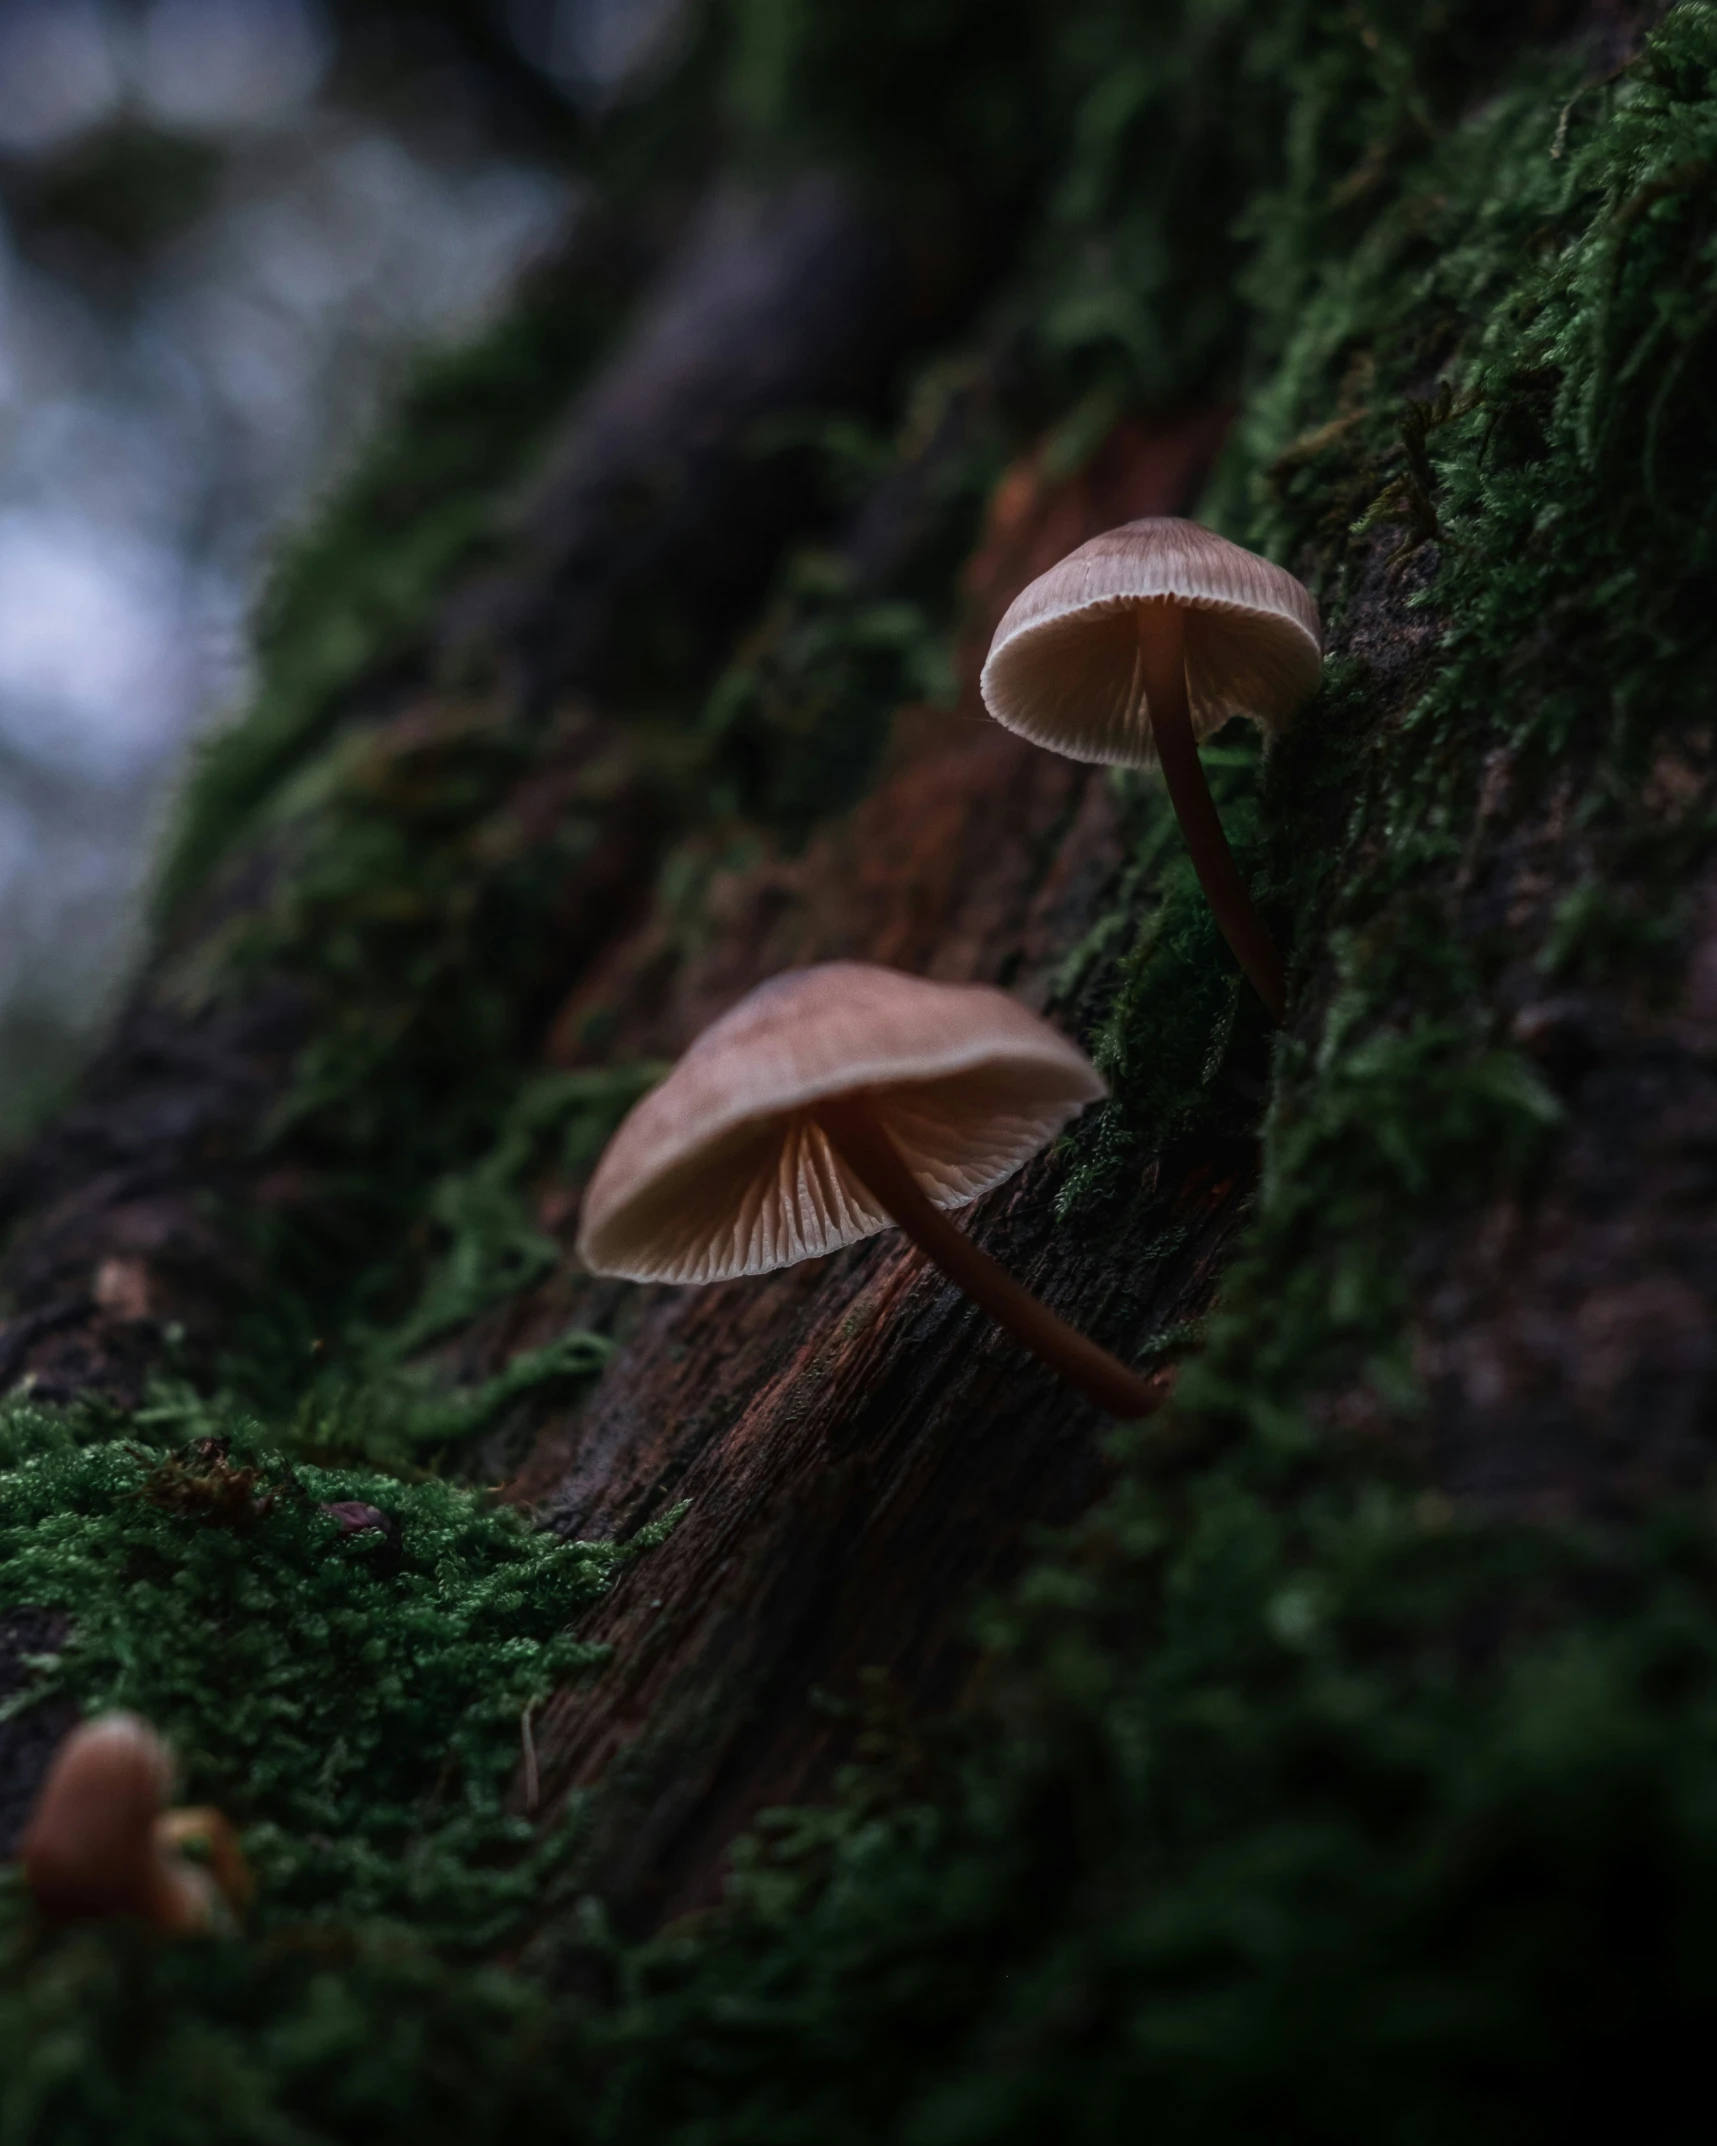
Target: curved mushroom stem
1162,672
862,1143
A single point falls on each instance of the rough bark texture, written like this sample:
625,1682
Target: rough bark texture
860,1456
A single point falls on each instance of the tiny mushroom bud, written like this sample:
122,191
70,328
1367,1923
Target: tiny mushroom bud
99,1846
829,1103
1139,644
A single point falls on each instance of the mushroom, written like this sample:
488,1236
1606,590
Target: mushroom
1141,643
829,1103
98,1844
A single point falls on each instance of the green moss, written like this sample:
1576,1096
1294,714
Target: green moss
799,720
351,1700
311,2034
1381,1823
559,1121
1555,293
795,726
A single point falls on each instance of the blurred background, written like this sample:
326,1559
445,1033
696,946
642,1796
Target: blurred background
227,227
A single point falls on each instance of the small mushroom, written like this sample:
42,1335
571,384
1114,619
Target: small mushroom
99,1845
829,1103
1141,643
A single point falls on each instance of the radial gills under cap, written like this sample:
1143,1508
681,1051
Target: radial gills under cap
723,1170
1064,667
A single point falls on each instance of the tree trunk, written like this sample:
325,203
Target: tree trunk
859,1456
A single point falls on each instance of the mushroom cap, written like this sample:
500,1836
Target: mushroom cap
723,1169
1063,668
89,1849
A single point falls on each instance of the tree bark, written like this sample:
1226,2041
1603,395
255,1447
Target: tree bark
860,1453
860,1456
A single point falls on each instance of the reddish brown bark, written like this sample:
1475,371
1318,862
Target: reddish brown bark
861,1452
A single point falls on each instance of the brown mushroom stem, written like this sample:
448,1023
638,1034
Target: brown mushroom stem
1162,674
862,1143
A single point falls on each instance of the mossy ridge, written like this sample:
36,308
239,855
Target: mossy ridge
1575,645
427,917
1393,1828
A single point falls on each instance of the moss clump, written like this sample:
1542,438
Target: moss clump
559,1123
797,723
352,1700
355,2032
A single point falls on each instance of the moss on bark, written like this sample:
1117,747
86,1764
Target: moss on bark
1350,1768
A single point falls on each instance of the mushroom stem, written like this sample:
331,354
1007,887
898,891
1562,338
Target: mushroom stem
1162,673
860,1140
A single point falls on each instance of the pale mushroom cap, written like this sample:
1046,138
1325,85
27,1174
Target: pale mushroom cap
723,1170
88,1848
1063,667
